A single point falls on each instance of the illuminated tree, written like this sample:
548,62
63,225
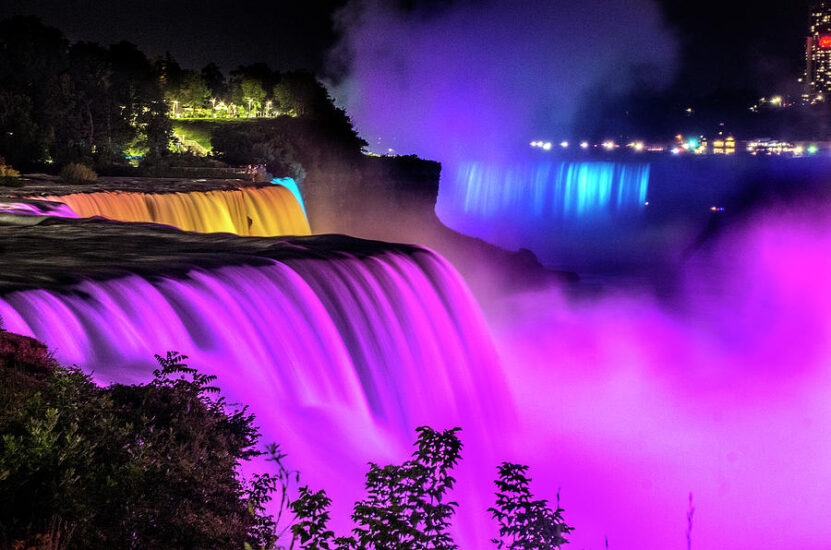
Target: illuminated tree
193,92
252,93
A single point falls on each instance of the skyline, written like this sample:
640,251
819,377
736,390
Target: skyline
737,47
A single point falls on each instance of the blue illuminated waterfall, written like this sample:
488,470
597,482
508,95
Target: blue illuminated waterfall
549,190
544,205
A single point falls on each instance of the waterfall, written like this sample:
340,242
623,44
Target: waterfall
339,355
37,208
249,211
557,209
548,190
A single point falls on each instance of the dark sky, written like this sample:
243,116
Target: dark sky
725,44
734,44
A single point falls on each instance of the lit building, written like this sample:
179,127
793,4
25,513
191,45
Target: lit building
771,147
818,54
724,145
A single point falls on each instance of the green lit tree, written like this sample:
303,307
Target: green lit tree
194,91
253,94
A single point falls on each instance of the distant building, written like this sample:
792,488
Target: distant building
724,145
817,78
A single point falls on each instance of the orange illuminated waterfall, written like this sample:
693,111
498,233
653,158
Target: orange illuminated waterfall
250,211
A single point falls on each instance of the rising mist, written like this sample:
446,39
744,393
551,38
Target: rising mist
479,79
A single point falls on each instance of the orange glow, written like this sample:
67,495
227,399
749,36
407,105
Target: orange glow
825,41
254,212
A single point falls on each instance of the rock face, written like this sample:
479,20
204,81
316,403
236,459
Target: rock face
394,198
46,252
379,198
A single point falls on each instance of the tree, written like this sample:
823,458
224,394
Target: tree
214,80
407,506
252,93
524,523
193,92
300,94
33,66
152,465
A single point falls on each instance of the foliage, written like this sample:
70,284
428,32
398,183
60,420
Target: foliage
194,91
288,146
156,465
78,173
62,103
407,506
524,523
8,175
252,93
690,514
152,465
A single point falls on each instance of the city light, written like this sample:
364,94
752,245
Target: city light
719,144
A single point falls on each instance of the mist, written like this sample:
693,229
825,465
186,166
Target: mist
480,79
627,404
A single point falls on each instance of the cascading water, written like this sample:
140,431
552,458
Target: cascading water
248,211
548,190
530,204
340,357
37,208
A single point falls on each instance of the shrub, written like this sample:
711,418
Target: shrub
144,466
8,175
525,523
78,173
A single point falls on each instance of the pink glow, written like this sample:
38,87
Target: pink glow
628,406
624,404
40,208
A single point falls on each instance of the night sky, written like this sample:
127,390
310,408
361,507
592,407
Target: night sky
725,45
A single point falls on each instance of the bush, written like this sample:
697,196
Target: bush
144,466
8,175
78,173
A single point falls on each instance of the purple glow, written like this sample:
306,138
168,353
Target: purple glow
39,208
478,79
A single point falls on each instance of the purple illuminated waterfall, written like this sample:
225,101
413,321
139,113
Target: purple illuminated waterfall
340,357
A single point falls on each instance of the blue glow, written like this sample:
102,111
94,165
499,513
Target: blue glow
291,185
550,190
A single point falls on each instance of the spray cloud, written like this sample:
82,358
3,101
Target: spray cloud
479,78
